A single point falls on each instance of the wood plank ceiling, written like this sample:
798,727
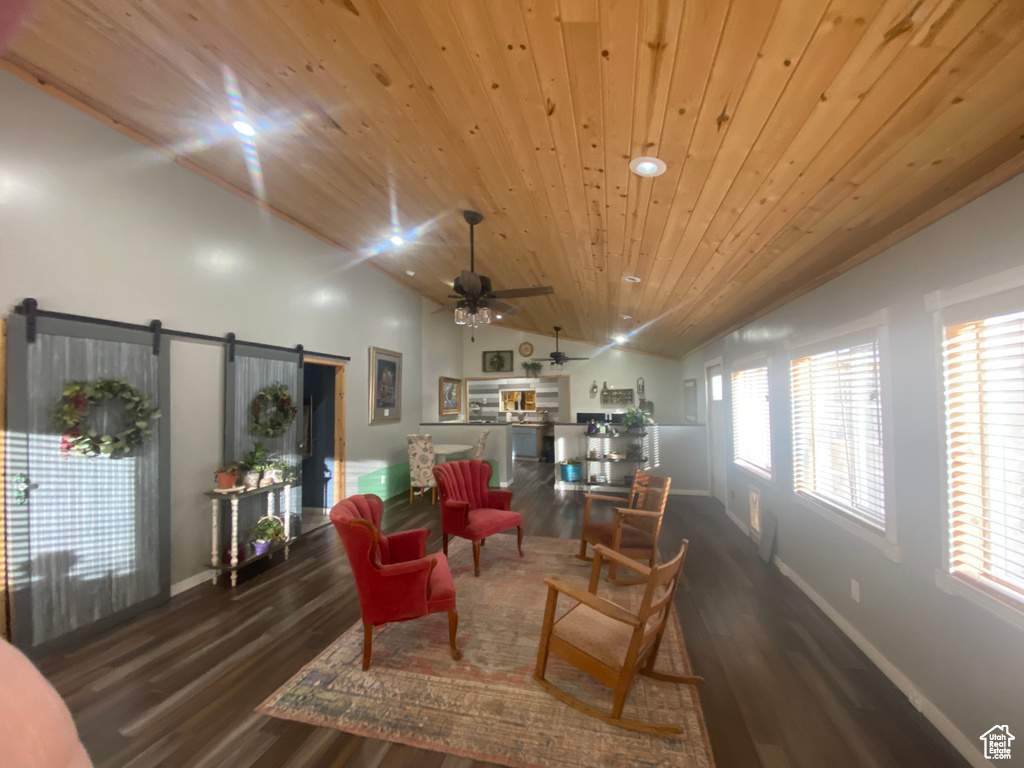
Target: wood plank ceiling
801,136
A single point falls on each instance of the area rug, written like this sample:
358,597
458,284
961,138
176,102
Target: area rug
487,706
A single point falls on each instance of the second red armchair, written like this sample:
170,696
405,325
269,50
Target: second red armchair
472,510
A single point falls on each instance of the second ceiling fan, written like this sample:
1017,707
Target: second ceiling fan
476,303
556,357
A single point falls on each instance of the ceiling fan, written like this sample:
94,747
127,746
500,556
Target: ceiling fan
476,303
556,357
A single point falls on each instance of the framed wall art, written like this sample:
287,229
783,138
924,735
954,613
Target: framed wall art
385,386
497,361
449,397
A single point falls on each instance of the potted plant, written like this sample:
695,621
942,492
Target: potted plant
254,464
635,450
227,476
533,368
635,421
267,530
280,471
570,470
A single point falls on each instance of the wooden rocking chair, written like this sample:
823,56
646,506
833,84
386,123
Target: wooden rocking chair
608,642
634,532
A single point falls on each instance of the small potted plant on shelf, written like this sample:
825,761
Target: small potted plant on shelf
533,368
570,470
635,451
254,464
280,471
635,420
227,476
266,531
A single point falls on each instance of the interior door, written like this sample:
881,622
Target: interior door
250,369
716,431
89,537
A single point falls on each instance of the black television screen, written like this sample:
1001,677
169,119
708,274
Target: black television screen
583,418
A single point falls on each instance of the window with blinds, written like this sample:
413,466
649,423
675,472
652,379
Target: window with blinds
751,425
984,382
837,431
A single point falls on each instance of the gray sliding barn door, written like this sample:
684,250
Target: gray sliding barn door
251,370
88,537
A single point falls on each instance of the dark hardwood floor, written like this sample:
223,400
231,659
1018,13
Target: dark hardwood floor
178,686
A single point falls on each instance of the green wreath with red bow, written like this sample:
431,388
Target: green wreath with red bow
272,411
78,438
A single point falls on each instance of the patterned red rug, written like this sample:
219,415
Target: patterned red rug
487,706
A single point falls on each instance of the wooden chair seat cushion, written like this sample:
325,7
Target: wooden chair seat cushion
597,635
632,538
442,587
487,522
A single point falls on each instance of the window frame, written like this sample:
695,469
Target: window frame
741,366
992,296
872,328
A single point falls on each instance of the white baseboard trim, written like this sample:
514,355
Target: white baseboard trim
943,724
191,581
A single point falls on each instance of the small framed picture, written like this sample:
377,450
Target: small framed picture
449,396
498,361
385,386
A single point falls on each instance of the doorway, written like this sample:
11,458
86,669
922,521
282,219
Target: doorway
323,441
716,431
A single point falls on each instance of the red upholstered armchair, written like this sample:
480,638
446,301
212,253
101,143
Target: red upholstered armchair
470,509
395,581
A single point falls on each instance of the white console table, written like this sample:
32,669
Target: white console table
218,499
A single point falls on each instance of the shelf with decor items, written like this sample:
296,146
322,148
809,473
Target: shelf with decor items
278,498
619,463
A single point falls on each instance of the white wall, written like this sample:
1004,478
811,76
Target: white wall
619,367
961,663
93,223
197,435
441,341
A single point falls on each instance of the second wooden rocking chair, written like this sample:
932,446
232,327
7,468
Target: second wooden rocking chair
634,531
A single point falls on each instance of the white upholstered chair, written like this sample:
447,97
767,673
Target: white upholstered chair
421,466
479,454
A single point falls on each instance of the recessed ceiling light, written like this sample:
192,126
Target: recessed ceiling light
396,240
621,339
631,279
647,166
497,317
243,128
409,272
626,317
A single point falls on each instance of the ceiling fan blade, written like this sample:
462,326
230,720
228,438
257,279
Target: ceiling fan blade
521,293
501,308
575,358
470,282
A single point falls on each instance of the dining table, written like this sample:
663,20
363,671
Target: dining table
443,450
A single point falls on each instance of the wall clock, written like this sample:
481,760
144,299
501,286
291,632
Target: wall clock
526,349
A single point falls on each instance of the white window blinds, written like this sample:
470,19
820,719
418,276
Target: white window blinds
751,425
984,378
837,431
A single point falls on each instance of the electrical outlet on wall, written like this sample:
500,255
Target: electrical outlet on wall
855,590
